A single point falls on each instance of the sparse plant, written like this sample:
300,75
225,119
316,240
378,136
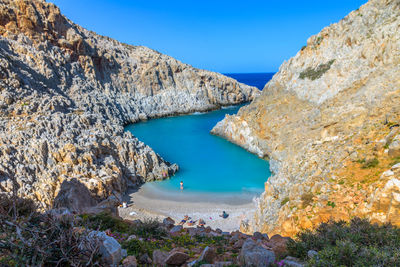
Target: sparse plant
30,238
316,73
307,199
331,204
370,163
284,201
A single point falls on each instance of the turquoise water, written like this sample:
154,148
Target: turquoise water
209,165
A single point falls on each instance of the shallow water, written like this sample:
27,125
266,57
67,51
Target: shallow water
211,168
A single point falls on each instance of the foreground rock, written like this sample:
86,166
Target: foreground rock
66,93
176,258
328,122
109,248
253,254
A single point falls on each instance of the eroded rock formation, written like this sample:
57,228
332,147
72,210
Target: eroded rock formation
66,93
329,122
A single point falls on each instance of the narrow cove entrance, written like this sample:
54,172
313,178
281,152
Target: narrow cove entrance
211,168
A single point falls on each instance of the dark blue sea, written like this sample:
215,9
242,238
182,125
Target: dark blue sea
254,79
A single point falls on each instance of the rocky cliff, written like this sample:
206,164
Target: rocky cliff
66,93
329,123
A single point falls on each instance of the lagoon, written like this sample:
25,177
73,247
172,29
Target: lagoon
210,167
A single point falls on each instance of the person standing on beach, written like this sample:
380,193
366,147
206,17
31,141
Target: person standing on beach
181,185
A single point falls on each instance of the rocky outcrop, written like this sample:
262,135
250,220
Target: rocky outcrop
66,94
328,121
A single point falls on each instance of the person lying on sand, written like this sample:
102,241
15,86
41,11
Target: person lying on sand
191,223
184,220
201,222
224,215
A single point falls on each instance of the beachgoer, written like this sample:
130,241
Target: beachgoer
224,215
184,220
181,185
191,223
201,222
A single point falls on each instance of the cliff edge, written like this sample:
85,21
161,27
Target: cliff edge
66,93
329,123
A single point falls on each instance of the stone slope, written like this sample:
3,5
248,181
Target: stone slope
66,93
328,121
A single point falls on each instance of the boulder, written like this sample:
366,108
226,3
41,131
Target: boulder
109,205
394,147
110,249
223,263
159,257
258,235
177,258
129,261
208,255
278,244
74,196
253,254
145,259
293,262
176,229
168,222
312,253
131,237
238,244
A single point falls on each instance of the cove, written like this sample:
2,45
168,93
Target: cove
211,168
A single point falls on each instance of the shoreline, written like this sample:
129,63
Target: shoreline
142,206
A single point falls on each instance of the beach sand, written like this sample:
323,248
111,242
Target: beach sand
142,205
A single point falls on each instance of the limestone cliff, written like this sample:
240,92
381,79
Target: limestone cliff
329,122
66,93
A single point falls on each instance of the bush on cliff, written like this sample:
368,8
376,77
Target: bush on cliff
356,243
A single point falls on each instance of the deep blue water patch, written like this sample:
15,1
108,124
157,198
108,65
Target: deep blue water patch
254,79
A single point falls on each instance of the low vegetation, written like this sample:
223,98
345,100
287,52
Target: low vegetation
354,243
316,73
307,199
29,238
368,164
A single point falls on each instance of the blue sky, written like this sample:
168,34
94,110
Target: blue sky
219,35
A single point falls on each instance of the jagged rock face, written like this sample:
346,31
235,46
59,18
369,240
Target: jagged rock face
327,121
66,93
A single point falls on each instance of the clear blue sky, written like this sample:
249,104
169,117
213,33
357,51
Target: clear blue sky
219,35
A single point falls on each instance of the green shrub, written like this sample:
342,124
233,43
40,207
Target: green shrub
316,73
284,201
149,228
40,240
370,164
307,199
395,161
134,247
318,40
357,243
331,204
104,221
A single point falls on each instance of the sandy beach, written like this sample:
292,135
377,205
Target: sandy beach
141,205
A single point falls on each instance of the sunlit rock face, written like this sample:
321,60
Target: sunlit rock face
328,120
66,93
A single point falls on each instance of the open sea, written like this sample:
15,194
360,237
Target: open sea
210,166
